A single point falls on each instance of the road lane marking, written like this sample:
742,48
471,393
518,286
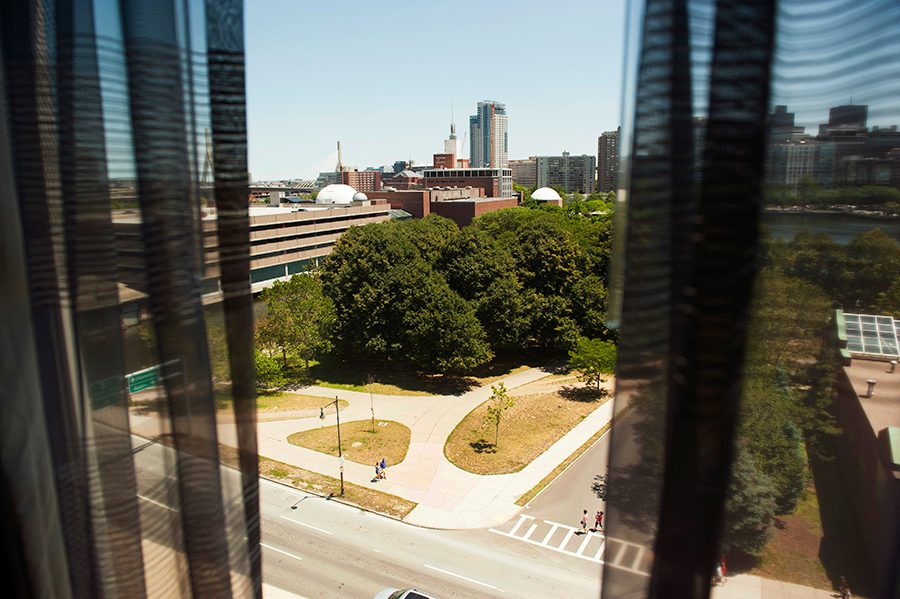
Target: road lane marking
519,523
549,534
528,534
154,502
565,541
596,558
587,539
296,557
484,584
327,532
637,558
620,555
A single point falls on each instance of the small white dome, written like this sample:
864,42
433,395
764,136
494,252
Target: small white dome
336,193
545,194
360,196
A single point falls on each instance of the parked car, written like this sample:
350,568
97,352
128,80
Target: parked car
403,594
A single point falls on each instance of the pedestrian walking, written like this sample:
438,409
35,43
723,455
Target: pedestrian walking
845,588
584,522
383,465
377,472
724,568
598,520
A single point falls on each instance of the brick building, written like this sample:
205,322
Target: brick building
364,181
418,202
494,182
463,211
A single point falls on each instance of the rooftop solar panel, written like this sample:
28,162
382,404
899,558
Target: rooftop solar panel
873,335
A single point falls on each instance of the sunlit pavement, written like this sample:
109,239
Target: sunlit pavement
745,586
447,497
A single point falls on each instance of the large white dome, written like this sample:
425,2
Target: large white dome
543,194
336,193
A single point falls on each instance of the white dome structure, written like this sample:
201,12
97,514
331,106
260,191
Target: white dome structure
336,193
360,197
544,194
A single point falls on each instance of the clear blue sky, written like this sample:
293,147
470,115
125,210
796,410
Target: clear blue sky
380,77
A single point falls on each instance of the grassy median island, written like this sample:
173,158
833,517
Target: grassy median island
389,441
313,482
534,423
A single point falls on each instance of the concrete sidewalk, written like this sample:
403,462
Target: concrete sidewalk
447,497
746,586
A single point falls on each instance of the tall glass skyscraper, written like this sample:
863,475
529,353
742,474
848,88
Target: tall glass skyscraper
488,142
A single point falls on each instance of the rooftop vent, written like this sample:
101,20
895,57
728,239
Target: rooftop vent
870,392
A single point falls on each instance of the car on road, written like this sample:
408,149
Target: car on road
403,594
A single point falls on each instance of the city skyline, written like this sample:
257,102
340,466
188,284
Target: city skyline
304,96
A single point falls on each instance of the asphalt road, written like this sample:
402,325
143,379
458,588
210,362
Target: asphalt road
571,492
315,547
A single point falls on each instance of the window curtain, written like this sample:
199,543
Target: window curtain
126,321
701,78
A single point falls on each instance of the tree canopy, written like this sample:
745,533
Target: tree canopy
447,300
298,318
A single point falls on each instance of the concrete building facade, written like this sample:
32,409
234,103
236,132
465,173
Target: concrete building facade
488,137
608,161
364,181
524,172
572,173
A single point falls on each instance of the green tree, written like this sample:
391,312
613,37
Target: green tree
472,261
298,319
499,403
268,371
392,305
441,331
749,508
594,359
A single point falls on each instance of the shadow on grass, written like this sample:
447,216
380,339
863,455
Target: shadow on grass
482,446
584,394
334,371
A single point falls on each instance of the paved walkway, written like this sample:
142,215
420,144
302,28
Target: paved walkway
447,497
746,586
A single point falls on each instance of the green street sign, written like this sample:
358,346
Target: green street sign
105,393
143,379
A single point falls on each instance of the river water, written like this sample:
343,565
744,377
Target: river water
842,228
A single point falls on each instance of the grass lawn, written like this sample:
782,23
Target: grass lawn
792,552
280,401
532,425
390,441
403,380
819,542
370,499
284,400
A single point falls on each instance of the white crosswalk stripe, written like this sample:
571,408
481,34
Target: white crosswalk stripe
569,540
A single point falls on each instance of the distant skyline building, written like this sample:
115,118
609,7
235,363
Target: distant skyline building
451,144
608,160
524,172
572,173
488,137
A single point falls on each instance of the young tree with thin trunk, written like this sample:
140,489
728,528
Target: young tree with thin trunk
500,402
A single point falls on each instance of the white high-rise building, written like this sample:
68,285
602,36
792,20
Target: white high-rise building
488,138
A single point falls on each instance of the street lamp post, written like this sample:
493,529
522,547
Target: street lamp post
337,412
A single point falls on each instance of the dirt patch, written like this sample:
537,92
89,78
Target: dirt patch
534,423
360,444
